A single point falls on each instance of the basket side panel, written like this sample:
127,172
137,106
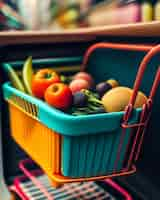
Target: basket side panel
41,143
115,148
87,156
93,155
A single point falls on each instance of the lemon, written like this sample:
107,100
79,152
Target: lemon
27,73
14,78
118,98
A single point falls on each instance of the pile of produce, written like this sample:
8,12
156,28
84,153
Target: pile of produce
77,94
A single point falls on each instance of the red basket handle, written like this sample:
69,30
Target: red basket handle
152,51
93,47
22,166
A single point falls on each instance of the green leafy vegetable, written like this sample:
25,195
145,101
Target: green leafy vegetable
93,106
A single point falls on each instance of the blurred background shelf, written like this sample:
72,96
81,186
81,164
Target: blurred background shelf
149,29
58,15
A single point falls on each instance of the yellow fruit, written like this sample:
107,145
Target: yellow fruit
140,100
118,98
113,83
27,73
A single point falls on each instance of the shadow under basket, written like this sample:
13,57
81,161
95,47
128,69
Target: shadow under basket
79,148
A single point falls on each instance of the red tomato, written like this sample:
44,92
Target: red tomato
59,96
42,80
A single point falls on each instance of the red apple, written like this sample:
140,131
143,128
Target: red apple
79,84
58,95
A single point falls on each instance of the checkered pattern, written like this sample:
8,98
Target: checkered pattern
73,191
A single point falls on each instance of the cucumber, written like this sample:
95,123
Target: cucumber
14,78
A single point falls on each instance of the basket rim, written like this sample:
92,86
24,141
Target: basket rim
58,112
69,120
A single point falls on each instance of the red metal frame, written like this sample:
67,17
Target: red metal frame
31,176
146,109
16,188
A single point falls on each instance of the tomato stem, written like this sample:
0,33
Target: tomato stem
47,76
55,88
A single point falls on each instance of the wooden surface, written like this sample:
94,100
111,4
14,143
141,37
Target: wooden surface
140,29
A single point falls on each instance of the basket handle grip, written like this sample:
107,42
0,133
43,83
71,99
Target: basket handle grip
92,48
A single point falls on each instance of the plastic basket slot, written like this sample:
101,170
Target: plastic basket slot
27,107
34,110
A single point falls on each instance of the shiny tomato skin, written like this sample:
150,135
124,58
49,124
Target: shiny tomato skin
59,96
42,80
